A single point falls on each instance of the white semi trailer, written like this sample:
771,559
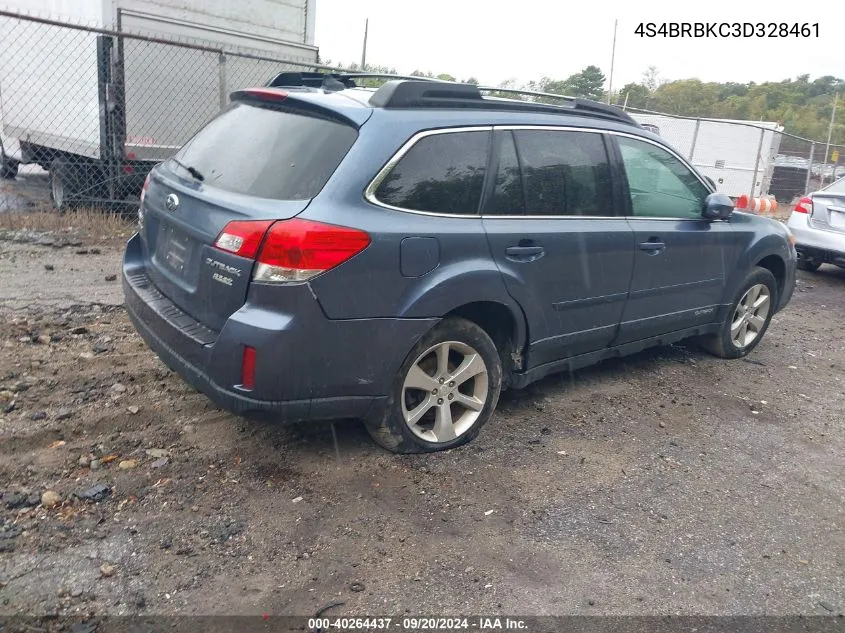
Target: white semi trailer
98,109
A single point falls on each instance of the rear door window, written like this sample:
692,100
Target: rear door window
441,173
565,173
268,153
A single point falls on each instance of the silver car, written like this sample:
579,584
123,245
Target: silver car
818,224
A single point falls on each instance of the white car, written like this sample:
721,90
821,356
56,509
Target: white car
818,224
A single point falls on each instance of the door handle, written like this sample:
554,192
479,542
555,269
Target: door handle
525,253
653,248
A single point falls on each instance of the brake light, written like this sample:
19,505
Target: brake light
242,238
804,205
272,94
145,187
296,250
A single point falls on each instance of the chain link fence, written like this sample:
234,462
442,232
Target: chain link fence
86,112
757,159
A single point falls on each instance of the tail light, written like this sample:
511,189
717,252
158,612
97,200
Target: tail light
804,205
290,251
145,187
242,238
297,250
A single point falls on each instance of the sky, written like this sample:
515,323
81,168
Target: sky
529,39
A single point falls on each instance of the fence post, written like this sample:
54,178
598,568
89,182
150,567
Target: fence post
757,162
694,138
221,69
809,166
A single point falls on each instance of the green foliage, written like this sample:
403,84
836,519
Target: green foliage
802,105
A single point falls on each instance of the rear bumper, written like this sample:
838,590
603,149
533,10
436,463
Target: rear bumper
827,247
308,367
821,255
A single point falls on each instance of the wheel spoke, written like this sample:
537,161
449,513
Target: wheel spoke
418,379
752,295
736,325
757,322
760,302
472,365
470,402
444,429
443,359
743,334
413,416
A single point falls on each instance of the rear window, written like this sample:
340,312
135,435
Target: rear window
267,153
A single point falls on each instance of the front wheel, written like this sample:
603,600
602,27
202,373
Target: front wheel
810,265
749,317
445,391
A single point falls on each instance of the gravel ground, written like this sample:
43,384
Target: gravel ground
669,482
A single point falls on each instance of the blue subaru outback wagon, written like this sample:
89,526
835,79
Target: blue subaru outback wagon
401,255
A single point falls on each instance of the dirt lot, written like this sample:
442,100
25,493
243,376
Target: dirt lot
668,482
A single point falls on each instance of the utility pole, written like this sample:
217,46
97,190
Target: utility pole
364,51
612,60
829,135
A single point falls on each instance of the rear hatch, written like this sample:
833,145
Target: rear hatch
828,212
828,208
260,161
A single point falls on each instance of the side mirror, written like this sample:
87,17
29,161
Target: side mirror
717,206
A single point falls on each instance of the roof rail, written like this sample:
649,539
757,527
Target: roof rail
578,103
444,94
409,91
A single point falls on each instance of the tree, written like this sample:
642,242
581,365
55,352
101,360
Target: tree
636,95
589,83
651,78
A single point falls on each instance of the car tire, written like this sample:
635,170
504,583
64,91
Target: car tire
8,167
431,408
809,265
748,319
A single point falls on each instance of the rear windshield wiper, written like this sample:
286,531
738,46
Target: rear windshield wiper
191,170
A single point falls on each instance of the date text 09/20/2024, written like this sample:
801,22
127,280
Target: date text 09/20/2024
727,29
416,624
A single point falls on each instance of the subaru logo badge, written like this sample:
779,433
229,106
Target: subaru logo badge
172,202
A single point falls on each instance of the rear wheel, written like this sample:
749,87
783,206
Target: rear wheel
749,317
73,184
446,390
810,265
8,167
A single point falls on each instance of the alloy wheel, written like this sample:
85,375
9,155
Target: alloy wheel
445,391
750,315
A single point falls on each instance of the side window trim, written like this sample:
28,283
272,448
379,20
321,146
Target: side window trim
370,191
